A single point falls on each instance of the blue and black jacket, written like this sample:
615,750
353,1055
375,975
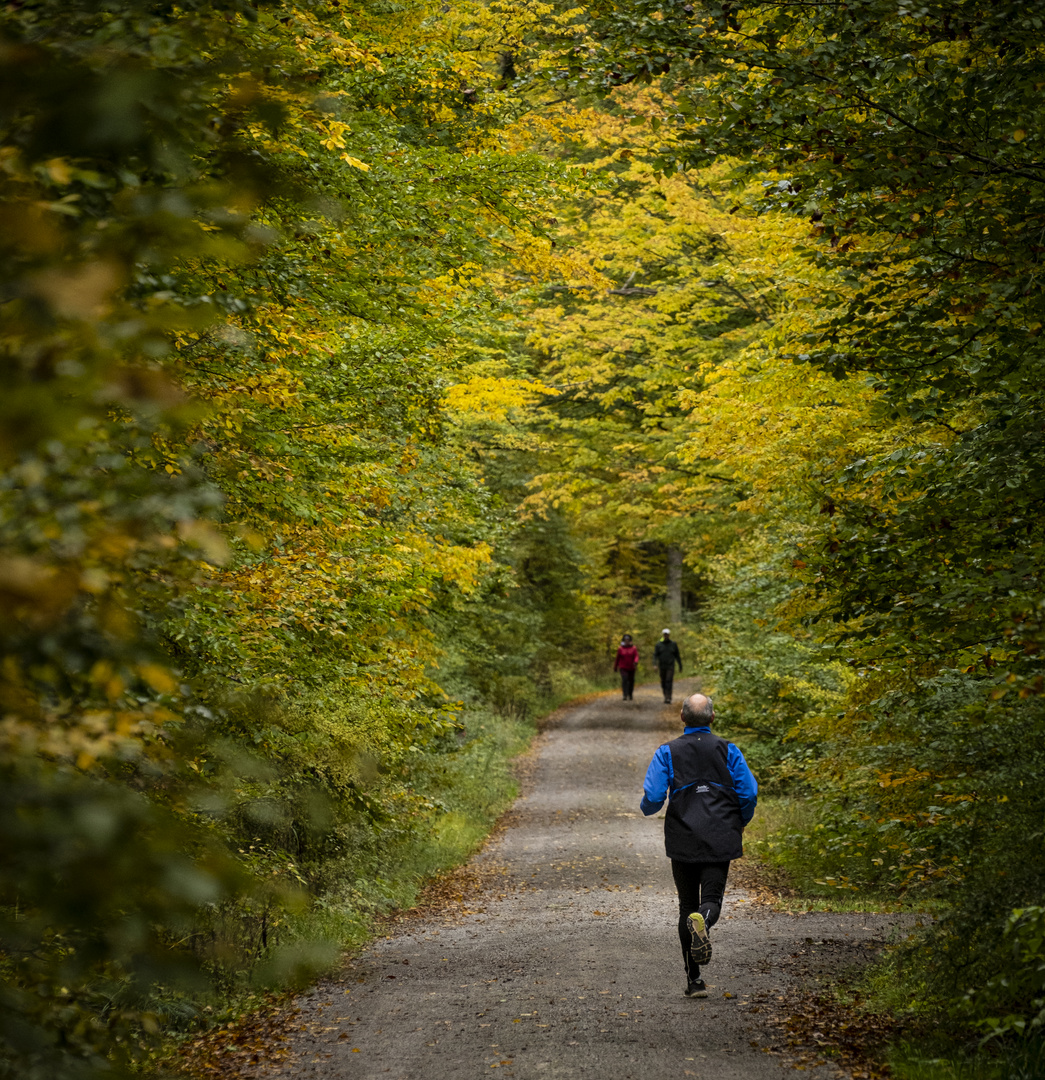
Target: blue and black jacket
711,796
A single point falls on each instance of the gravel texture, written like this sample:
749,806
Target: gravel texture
567,964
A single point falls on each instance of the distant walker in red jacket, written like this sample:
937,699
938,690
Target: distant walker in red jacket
626,663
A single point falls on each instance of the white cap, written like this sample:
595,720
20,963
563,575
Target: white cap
665,631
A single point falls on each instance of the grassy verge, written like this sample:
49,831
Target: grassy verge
450,800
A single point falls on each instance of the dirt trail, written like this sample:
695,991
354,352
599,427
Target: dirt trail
571,966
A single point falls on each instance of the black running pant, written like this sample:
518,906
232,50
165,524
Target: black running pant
667,678
627,683
701,886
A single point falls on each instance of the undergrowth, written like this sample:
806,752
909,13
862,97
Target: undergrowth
932,1059
784,837
814,872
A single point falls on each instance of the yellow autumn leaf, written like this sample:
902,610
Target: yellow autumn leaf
335,135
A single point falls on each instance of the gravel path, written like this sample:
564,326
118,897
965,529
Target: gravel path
570,966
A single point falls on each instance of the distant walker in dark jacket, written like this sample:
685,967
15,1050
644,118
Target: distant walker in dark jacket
666,654
626,663
711,797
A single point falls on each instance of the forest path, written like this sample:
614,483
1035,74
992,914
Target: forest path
570,966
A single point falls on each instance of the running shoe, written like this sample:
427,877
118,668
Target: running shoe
700,945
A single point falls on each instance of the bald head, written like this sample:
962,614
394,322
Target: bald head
697,711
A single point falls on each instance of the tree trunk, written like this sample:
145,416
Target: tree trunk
674,584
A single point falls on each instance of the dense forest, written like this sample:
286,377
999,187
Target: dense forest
368,368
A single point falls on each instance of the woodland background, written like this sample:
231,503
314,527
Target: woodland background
369,368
